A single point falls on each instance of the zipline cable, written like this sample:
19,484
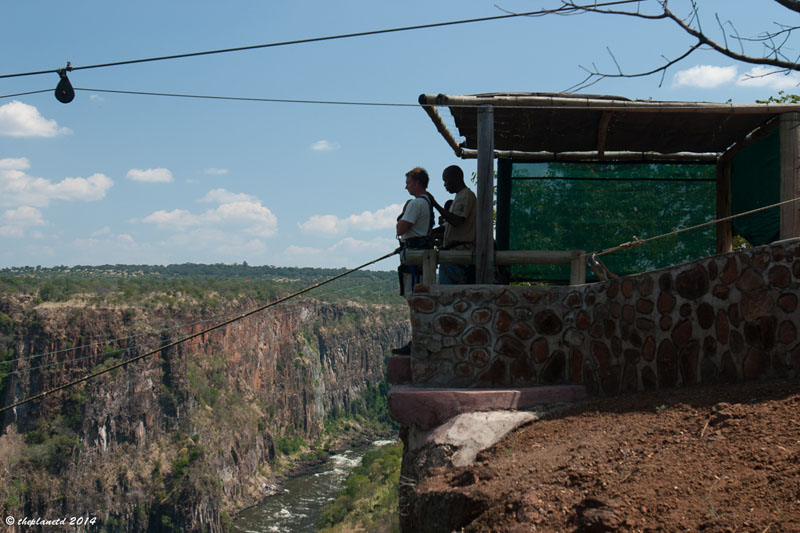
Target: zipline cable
193,335
250,99
562,9
637,242
27,93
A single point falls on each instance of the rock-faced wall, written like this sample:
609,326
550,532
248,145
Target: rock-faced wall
730,317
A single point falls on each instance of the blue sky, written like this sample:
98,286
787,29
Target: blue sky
113,178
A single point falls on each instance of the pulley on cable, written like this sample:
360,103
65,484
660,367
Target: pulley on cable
64,91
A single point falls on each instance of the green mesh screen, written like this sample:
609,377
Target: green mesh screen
593,206
756,182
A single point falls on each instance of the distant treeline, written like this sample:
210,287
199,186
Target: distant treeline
203,283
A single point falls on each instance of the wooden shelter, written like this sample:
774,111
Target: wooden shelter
557,127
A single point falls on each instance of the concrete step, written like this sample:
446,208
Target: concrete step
427,408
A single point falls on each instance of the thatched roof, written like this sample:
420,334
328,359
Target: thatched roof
541,126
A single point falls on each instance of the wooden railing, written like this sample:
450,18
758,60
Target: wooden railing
430,258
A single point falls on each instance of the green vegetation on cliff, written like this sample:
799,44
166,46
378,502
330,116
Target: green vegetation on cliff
368,500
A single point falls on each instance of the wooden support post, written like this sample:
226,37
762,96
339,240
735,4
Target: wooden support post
602,133
577,270
790,174
484,220
429,260
503,226
724,229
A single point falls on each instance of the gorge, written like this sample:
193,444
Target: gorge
184,438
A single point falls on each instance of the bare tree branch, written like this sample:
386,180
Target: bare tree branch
704,39
773,54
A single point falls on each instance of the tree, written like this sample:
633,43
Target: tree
775,47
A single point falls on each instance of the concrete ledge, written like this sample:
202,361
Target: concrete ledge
428,408
398,369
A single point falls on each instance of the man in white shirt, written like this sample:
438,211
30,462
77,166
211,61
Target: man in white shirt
414,224
413,229
415,220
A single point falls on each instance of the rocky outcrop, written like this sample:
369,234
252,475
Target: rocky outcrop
186,436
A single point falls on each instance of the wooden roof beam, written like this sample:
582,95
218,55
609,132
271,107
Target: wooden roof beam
599,104
679,157
441,127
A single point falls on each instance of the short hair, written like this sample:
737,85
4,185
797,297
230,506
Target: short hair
455,171
419,174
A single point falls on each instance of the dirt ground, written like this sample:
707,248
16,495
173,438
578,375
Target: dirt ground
710,458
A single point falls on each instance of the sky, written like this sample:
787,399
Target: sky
117,178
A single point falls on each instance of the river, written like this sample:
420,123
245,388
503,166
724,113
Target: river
299,506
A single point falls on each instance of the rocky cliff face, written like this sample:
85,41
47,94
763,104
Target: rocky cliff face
187,436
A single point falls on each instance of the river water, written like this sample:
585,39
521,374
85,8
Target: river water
299,507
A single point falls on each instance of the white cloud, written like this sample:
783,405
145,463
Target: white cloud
177,219
234,229
25,215
704,76
23,120
323,225
16,221
19,188
222,196
96,98
150,175
216,171
126,239
324,146
254,218
237,214
105,230
762,76
15,163
381,219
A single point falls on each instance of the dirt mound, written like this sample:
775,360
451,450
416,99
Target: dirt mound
711,458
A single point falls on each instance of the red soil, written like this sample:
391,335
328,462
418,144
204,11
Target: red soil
707,458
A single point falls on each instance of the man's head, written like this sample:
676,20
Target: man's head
453,178
416,181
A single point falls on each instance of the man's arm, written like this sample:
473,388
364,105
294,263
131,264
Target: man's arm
403,226
451,218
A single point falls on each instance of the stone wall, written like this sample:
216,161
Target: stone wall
730,317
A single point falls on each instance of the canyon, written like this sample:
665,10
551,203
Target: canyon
188,436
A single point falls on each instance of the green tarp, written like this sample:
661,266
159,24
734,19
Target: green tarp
756,182
593,206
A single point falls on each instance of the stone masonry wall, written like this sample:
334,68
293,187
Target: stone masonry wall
729,318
